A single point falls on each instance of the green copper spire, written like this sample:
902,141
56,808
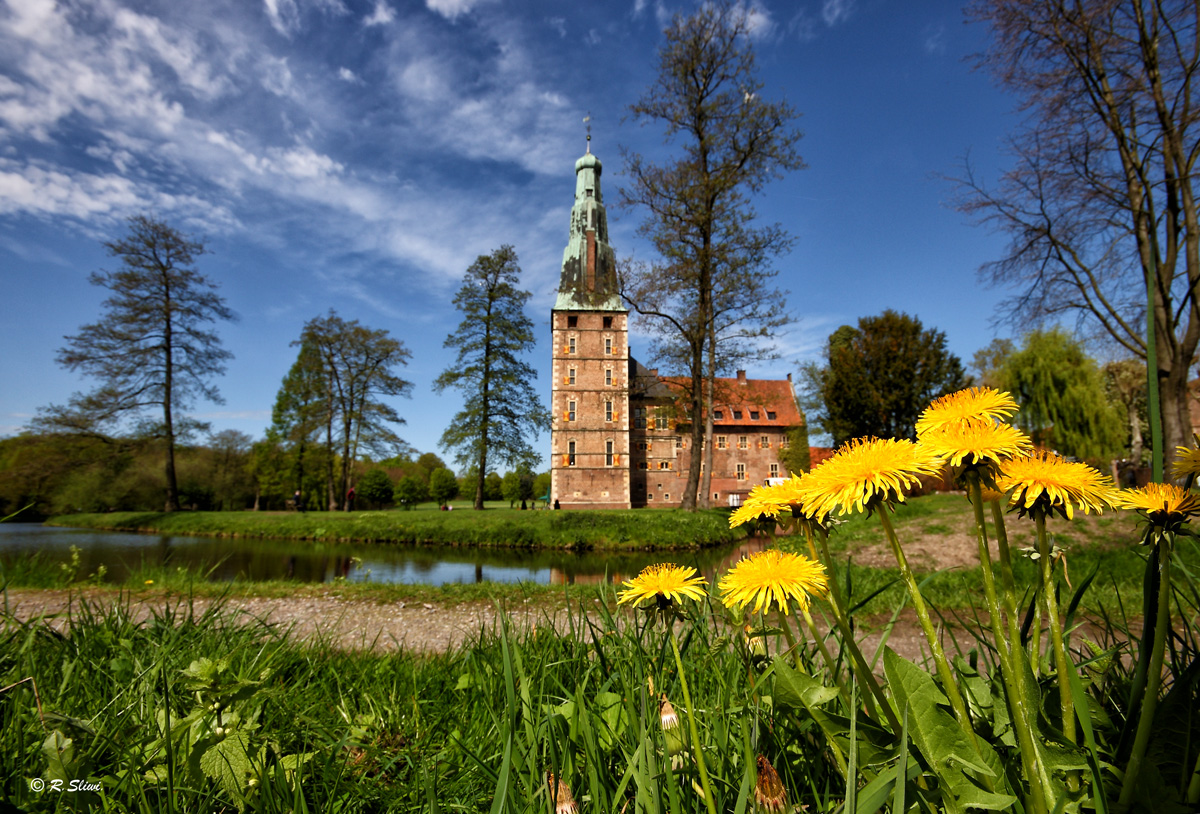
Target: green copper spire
589,269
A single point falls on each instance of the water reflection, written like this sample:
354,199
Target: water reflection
227,559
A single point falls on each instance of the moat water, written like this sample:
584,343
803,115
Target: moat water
223,559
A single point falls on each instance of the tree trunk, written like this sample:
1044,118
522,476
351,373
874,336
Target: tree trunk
709,384
172,504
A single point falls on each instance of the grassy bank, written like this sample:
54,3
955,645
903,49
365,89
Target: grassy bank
656,529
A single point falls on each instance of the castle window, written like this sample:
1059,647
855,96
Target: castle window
774,470
743,442
783,442
754,415
570,344
572,322
608,377
649,497
608,453
716,495
639,418
664,464
764,442
643,446
570,453
660,419
770,415
608,411
737,414
721,442
570,411
741,471
643,465
718,415
608,346
608,322
570,375
667,496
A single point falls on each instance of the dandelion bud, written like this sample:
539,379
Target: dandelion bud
768,789
756,644
560,795
667,713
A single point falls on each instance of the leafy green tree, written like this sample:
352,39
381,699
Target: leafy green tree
1061,390
427,464
410,491
443,486
710,296
541,485
1125,382
152,349
230,470
502,410
880,376
797,457
375,487
492,485
302,408
510,488
359,366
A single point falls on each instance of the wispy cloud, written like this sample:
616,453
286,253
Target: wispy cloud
382,14
835,12
453,9
934,39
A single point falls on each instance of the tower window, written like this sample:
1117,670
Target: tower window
608,322
608,377
608,346
660,419
570,453
570,411
570,344
570,375
572,322
608,453
608,411
741,471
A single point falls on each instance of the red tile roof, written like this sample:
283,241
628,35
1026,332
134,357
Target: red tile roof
750,397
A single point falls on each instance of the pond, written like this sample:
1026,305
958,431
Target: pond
225,559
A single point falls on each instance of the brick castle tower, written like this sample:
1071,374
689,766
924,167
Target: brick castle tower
589,440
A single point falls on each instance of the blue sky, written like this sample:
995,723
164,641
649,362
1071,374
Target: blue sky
359,154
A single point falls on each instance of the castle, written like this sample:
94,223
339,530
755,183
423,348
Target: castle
618,438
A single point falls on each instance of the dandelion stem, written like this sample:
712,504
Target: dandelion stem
949,684
1153,681
695,732
1050,606
829,663
862,672
1013,677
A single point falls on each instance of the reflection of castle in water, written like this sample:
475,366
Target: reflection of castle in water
751,545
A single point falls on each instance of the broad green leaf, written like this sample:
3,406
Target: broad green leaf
960,766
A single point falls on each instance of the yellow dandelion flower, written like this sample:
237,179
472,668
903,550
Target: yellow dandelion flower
865,470
1044,481
665,582
769,792
773,576
972,404
1164,504
974,441
767,500
1187,462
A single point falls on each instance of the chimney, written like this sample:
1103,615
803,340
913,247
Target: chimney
654,372
741,374
789,377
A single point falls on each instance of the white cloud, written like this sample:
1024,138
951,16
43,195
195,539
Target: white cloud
836,11
758,21
382,15
453,9
283,15
347,75
935,39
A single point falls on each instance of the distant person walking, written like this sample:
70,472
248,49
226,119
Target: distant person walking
350,500
299,504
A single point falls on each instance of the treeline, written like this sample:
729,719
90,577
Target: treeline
60,474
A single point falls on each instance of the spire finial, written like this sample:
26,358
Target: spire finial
588,121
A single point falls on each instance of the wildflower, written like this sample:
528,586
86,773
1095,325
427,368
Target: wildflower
769,792
1165,506
976,403
1187,463
755,642
560,795
863,472
664,582
773,576
1047,483
767,500
974,441
149,582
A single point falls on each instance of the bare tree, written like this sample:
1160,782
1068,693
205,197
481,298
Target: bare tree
710,293
151,349
1100,203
